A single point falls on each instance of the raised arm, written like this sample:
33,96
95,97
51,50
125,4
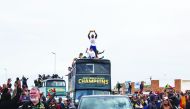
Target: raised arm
89,34
95,34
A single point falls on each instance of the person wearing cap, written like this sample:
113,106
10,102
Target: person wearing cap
35,102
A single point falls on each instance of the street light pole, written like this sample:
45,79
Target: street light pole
54,61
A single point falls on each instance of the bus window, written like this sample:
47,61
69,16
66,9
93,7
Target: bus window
102,68
44,84
48,84
97,68
60,83
90,68
55,83
85,68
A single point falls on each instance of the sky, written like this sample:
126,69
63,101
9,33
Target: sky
142,38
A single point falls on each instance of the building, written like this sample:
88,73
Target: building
180,86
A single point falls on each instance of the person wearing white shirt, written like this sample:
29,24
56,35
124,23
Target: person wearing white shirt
91,53
92,38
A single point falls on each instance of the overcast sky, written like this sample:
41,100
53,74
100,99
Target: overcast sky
142,38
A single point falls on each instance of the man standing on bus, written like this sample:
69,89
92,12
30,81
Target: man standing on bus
92,38
35,102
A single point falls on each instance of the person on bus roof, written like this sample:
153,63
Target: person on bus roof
92,36
91,54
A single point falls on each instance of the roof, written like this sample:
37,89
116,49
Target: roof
59,79
89,96
93,60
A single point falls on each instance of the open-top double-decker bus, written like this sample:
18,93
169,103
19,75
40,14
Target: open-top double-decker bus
89,77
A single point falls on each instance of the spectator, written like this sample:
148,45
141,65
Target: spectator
4,87
1,90
6,96
18,82
35,100
152,103
70,104
9,83
17,79
188,102
182,101
173,100
11,103
24,96
141,87
53,104
14,90
24,82
166,104
36,83
39,82
66,104
129,88
43,98
62,106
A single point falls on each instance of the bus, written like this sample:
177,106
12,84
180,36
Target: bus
89,77
54,83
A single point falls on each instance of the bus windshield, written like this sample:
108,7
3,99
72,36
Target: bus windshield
80,93
97,68
55,83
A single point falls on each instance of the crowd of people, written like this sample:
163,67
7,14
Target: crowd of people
164,100
38,81
20,97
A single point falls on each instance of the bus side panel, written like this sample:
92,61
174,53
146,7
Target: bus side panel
96,82
60,91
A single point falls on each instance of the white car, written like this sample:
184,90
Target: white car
105,102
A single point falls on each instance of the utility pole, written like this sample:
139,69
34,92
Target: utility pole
54,62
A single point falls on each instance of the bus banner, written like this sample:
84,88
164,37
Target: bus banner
60,91
102,82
